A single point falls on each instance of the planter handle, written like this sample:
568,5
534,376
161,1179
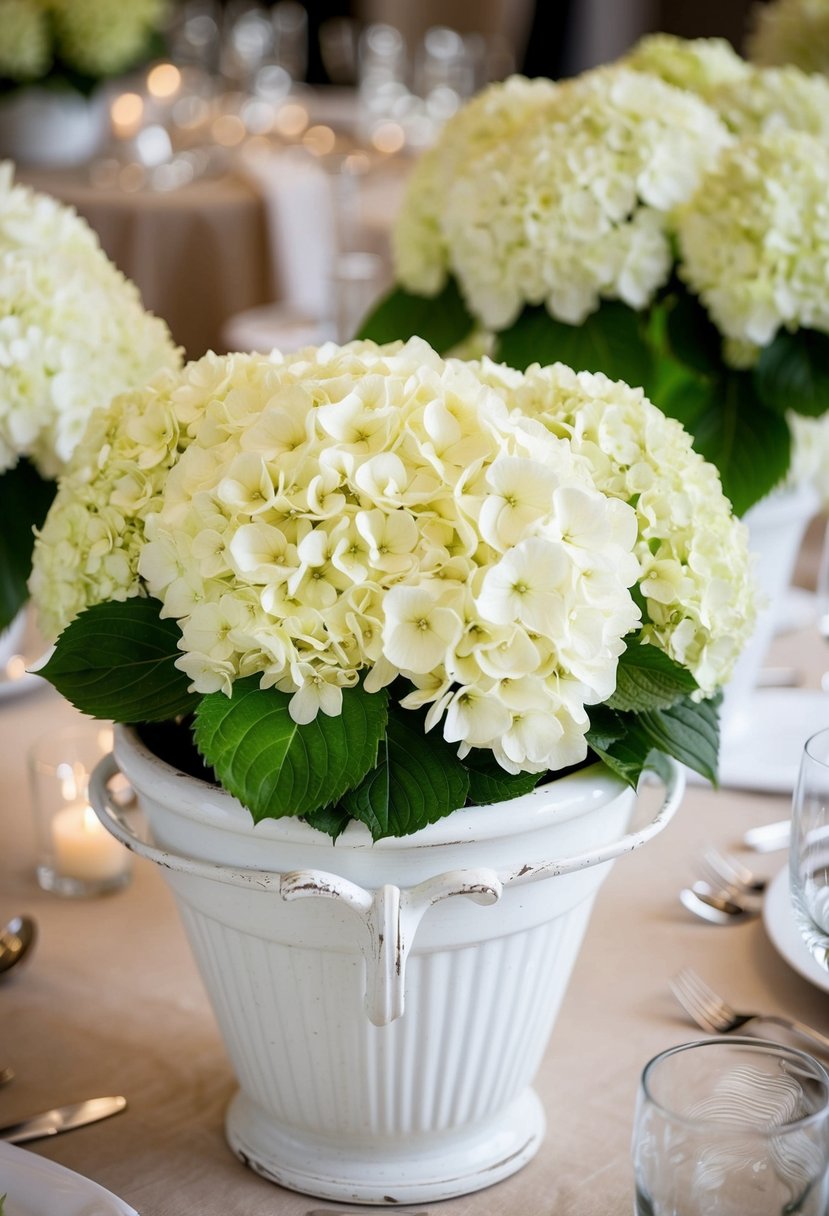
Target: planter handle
390,915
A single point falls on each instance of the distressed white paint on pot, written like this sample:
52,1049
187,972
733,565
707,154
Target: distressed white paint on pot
776,527
298,940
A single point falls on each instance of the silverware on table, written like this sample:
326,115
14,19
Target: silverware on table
725,869
716,907
17,937
713,1014
769,837
62,1119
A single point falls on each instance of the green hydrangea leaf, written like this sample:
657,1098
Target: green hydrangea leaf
611,340
689,731
691,335
117,661
489,783
792,373
442,320
333,820
417,780
749,444
275,766
622,742
25,498
647,678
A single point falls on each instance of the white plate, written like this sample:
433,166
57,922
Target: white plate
34,1186
778,917
764,753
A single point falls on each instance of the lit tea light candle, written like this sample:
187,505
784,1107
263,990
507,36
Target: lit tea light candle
126,115
163,81
83,847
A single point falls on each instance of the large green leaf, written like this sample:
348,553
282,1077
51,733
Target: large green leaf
630,742
691,335
117,660
417,780
647,678
611,340
277,767
25,498
442,320
488,782
792,373
689,731
749,444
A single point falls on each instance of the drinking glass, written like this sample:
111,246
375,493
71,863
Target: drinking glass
809,847
732,1127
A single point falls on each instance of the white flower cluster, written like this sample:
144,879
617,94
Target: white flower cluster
572,206
73,331
694,570
358,510
493,117
754,239
791,31
700,65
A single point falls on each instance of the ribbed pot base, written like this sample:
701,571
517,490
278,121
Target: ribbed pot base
414,1169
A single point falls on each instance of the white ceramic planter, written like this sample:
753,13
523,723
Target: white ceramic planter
298,940
776,528
50,128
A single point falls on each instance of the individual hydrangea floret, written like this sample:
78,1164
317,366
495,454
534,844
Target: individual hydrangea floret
73,331
694,569
573,208
357,513
496,115
754,239
700,65
791,31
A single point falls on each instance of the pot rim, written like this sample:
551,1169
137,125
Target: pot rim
575,794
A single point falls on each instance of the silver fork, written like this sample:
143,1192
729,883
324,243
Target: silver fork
714,1015
733,873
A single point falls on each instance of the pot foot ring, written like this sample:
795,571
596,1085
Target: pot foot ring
416,1168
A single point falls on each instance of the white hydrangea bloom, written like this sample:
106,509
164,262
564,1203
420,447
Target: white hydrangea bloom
73,331
700,65
754,239
774,99
495,115
791,31
572,208
694,570
357,511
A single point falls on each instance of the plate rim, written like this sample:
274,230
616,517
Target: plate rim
778,920
85,1188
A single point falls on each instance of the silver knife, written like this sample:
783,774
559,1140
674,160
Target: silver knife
62,1119
769,837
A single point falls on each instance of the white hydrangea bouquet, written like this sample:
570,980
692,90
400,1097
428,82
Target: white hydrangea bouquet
76,43
365,582
73,333
668,232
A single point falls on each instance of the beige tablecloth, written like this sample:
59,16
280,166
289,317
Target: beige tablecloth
111,1003
198,255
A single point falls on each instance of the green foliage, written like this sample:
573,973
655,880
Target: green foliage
610,340
417,780
631,742
488,782
792,373
25,498
647,678
442,320
117,660
275,766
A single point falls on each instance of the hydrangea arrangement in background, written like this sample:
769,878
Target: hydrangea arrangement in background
791,31
73,333
75,42
453,577
581,234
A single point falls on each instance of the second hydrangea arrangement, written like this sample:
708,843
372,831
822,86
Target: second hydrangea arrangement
375,584
662,221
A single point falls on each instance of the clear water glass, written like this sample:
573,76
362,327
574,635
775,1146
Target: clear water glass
809,848
732,1127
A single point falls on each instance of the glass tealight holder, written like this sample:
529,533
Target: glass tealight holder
76,855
